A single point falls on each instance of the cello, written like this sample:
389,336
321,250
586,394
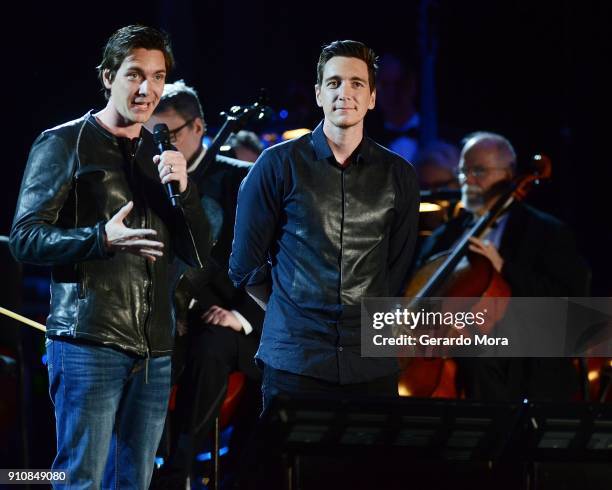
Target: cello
448,275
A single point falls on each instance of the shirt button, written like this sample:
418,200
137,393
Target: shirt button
340,348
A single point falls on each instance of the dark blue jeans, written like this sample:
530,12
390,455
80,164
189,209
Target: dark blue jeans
109,419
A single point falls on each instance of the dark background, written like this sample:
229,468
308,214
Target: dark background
533,71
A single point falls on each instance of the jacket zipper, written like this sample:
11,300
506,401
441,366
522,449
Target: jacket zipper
144,222
149,287
342,238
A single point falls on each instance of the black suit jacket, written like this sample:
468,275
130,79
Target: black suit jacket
540,260
218,183
539,252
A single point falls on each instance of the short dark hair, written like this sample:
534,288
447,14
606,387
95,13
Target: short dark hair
350,49
126,39
183,99
246,139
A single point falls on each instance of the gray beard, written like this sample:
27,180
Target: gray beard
472,198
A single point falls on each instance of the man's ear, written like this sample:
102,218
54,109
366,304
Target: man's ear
199,126
372,102
108,78
318,94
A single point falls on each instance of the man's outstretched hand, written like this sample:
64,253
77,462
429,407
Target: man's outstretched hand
120,238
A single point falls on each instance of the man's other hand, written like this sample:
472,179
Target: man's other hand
216,315
120,238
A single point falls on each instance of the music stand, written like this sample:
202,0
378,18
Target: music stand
386,433
565,445
576,432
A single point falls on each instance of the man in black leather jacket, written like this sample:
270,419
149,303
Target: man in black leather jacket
93,208
322,221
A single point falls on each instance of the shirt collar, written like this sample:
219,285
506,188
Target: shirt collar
93,120
323,151
321,146
197,160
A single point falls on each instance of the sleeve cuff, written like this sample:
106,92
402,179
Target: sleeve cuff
190,191
246,325
101,241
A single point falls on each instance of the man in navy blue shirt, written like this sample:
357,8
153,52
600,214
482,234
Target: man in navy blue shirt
322,221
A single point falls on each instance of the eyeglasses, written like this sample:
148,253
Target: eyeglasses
477,172
174,133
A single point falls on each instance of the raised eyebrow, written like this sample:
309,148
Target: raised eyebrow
333,77
140,71
134,68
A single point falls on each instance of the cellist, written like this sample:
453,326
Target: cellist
533,251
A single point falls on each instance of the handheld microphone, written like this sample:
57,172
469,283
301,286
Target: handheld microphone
161,136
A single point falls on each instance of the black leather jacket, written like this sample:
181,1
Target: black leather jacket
77,177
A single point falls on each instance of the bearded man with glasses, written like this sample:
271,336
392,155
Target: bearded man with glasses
533,251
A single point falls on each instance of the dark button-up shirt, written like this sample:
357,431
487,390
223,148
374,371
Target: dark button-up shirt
326,236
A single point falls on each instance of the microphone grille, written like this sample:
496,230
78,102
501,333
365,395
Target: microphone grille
161,133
